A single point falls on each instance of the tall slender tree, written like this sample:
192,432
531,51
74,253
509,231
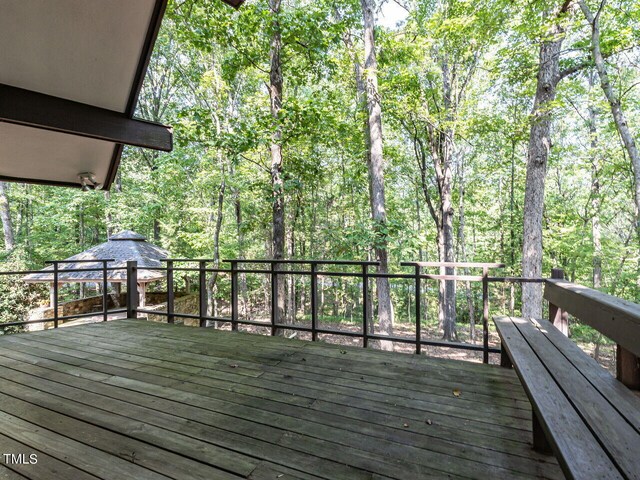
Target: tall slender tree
596,201
376,170
619,117
549,75
277,182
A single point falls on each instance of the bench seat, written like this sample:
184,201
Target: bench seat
589,420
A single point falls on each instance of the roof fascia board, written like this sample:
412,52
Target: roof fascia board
33,109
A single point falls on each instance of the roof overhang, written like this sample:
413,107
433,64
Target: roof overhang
70,75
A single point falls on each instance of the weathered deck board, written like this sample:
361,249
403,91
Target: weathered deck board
157,401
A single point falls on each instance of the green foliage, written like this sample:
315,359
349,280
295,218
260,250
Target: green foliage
16,297
208,78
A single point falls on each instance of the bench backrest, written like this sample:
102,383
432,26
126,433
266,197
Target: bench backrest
615,318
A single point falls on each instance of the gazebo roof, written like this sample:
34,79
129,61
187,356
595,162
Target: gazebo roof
122,247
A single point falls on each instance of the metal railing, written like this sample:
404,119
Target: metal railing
315,269
311,269
59,275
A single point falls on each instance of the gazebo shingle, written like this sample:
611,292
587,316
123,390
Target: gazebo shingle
122,247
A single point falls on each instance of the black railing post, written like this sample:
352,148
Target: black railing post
274,298
365,305
418,311
55,294
234,296
485,314
314,302
203,292
170,293
105,293
132,289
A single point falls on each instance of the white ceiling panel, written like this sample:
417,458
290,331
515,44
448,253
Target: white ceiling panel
38,154
82,50
89,51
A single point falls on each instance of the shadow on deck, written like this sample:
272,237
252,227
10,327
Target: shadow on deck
134,399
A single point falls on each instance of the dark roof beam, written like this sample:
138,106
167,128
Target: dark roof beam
33,109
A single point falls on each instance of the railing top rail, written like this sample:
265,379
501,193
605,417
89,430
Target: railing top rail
614,317
95,260
305,262
76,270
453,264
62,270
195,260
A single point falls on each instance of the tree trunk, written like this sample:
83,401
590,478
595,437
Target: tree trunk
512,203
211,282
596,233
156,230
376,172
277,184
446,145
244,307
463,254
614,102
291,279
108,216
537,156
5,214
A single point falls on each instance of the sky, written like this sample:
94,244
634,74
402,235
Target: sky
391,14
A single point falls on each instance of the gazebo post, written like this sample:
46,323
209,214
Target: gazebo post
142,294
52,292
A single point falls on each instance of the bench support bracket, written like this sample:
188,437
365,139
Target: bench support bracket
540,443
505,361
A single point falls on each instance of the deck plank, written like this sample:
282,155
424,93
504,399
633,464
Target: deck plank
50,467
141,453
296,418
212,445
405,389
261,407
477,421
379,447
296,383
435,382
7,474
75,452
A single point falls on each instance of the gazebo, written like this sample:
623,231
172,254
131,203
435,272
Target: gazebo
122,247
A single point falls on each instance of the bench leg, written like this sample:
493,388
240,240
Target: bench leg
505,361
540,443
627,368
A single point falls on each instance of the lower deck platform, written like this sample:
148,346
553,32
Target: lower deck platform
142,400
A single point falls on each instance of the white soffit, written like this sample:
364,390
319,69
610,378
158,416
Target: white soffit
87,51
34,153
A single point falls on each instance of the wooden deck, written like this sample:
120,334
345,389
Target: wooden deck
130,399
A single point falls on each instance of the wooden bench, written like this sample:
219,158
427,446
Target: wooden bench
582,414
